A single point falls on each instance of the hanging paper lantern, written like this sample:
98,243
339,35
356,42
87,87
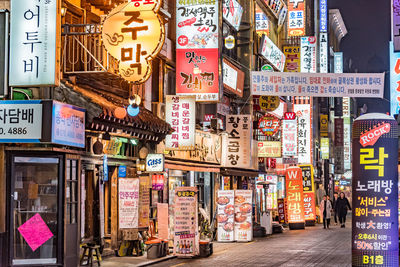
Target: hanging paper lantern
120,113
133,111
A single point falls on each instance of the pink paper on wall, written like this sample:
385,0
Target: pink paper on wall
35,232
162,219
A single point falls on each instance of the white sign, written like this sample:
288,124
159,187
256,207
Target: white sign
197,24
20,121
272,53
282,16
155,163
232,11
230,76
237,145
323,52
304,133
128,204
262,22
338,62
318,84
346,133
289,138
308,54
33,43
181,115
226,215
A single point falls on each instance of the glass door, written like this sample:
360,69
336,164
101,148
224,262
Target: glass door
35,210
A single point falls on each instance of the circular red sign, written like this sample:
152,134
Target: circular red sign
269,125
183,40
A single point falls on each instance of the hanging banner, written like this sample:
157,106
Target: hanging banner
346,133
304,132
394,78
181,115
128,204
186,233
289,138
375,225
272,53
295,198
339,146
323,15
226,215
292,54
237,145
243,215
197,65
323,125
369,85
296,18
232,12
144,201
324,148
323,52
308,54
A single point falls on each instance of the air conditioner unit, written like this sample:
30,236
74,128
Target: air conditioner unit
159,110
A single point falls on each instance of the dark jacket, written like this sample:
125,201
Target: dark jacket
334,201
341,205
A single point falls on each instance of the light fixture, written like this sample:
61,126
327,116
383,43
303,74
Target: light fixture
63,9
133,110
135,100
134,141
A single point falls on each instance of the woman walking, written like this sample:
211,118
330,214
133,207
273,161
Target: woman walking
341,207
325,208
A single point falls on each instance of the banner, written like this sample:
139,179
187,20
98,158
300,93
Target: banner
186,233
128,204
308,54
269,149
226,215
304,133
295,197
289,138
369,85
243,215
375,224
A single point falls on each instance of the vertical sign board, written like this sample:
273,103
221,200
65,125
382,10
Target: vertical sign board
226,215
34,38
144,201
4,32
323,15
324,148
396,25
323,52
272,53
197,64
295,198
243,215
296,18
292,54
346,133
308,191
339,143
232,12
338,62
375,225
303,113
281,210
289,138
128,203
394,80
262,22
308,53
186,233
181,115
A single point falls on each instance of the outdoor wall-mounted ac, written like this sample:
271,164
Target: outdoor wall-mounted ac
159,110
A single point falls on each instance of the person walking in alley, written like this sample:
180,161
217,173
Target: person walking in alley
325,208
334,201
342,204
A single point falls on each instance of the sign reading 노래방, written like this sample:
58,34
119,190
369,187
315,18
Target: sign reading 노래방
369,85
34,43
128,203
181,115
375,236
243,215
134,34
295,197
226,215
186,233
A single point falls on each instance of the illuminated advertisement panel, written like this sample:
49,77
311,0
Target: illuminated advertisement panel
295,198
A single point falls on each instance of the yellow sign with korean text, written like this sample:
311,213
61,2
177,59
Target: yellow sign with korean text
292,63
134,34
269,149
323,125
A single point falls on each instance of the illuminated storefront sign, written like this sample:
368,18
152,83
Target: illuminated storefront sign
394,80
323,15
375,225
232,12
289,138
295,197
34,43
292,54
323,53
181,115
262,22
272,53
308,52
197,66
308,190
134,34
269,149
269,124
338,62
323,125
303,112
296,18
346,133
325,148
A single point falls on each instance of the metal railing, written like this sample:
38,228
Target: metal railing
83,50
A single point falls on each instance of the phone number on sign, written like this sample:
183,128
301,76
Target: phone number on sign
13,130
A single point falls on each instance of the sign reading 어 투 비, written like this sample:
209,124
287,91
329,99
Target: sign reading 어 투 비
134,34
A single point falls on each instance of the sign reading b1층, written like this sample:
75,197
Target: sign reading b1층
375,191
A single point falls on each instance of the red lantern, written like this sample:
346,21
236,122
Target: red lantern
120,113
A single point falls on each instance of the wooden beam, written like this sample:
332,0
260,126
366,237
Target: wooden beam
114,209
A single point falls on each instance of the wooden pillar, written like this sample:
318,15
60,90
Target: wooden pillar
114,209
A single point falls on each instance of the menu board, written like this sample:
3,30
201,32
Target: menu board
128,204
243,215
186,235
226,215
144,201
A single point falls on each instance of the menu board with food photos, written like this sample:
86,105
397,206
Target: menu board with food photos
226,215
243,215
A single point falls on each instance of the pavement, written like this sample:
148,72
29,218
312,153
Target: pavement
313,246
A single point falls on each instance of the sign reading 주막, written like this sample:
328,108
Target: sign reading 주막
134,34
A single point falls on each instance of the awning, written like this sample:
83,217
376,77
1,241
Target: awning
239,172
191,166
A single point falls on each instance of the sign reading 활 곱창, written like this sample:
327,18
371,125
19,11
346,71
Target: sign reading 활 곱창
369,85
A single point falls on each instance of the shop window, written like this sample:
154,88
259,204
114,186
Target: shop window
71,192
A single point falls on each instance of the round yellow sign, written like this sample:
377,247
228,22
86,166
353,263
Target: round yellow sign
269,103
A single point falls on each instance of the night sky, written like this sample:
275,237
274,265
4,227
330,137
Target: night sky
368,23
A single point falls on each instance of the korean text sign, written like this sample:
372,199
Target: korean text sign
272,53
243,215
308,52
394,80
197,66
237,146
296,18
289,138
128,204
34,39
369,85
180,114
347,133
375,191
308,189
295,197
232,11
292,54
134,34
304,132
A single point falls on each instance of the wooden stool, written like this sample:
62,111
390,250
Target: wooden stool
88,254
